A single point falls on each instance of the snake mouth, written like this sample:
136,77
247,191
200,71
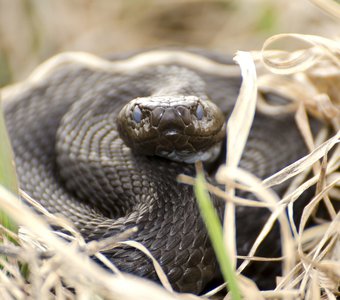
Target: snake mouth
189,156
172,133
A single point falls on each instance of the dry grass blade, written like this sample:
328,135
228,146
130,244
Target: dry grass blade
238,128
330,6
242,116
52,219
249,289
303,163
220,193
160,273
134,63
284,63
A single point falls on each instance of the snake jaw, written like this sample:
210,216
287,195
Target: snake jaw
189,157
180,128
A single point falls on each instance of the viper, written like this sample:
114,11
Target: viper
104,149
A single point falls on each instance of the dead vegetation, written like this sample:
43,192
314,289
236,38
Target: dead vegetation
38,264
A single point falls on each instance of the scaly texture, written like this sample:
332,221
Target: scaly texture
70,158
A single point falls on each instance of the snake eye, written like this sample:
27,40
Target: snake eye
137,114
199,112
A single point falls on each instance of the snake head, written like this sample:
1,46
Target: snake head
180,128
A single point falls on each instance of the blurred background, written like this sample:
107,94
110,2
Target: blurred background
33,30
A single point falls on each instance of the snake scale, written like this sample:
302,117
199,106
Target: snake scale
71,159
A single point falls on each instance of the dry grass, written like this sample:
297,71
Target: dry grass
304,274
310,77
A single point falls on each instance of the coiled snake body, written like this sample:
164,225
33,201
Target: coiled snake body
71,159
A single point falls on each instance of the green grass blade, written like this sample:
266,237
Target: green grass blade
8,177
214,228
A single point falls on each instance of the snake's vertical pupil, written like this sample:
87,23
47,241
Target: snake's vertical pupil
199,112
137,114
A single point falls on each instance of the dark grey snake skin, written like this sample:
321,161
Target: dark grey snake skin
105,188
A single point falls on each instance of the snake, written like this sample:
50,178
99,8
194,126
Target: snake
104,149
